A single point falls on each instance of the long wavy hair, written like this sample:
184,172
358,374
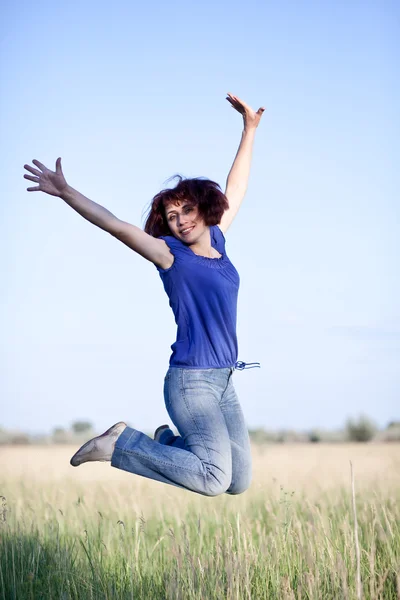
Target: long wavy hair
207,195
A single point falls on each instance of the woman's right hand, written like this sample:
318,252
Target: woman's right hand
51,182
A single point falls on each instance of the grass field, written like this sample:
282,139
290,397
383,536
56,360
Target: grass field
96,532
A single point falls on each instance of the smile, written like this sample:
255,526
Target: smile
186,231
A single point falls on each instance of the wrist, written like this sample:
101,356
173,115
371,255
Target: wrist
66,192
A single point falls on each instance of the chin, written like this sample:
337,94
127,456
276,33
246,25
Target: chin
191,239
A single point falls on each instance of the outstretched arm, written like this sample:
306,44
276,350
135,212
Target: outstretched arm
54,183
236,183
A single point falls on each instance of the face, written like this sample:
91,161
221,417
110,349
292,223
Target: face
185,222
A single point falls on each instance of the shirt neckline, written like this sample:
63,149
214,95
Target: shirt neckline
207,257
212,246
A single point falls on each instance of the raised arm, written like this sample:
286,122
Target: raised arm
54,183
238,177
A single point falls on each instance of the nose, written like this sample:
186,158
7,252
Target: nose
182,220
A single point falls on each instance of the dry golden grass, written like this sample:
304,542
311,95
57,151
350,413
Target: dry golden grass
290,536
308,468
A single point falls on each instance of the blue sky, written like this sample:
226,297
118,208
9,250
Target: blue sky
129,94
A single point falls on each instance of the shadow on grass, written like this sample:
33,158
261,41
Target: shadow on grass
65,568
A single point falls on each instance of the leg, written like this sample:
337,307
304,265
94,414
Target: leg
204,465
168,438
240,441
239,438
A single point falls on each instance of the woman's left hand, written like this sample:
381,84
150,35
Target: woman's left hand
251,118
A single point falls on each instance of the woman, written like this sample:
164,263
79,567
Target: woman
184,238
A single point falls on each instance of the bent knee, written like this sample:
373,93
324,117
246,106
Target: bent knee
239,486
216,486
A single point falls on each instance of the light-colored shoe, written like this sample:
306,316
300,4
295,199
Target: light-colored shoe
159,431
99,448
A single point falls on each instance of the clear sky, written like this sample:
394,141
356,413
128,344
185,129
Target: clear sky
129,94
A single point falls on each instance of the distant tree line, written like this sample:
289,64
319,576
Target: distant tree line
362,429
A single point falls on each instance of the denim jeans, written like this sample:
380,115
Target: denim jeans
212,454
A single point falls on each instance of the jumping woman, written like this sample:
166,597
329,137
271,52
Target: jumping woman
184,238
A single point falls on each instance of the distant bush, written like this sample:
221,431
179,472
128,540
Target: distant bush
20,439
362,430
4,436
314,436
288,436
60,436
390,434
261,436
81,427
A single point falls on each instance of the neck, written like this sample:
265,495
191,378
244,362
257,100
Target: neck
203,245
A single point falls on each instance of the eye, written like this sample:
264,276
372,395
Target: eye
171,217
188,209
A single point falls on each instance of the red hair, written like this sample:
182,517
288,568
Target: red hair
207,195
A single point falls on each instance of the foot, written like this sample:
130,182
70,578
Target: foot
159,431
99,448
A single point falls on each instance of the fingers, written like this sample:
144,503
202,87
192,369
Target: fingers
35,179
232,99
31,178
32,170
238,101
59,170
249,115
235,98
236,106
40,165
234,102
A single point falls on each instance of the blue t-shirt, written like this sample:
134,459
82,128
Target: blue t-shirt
203,295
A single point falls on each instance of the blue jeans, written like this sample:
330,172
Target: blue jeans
212,453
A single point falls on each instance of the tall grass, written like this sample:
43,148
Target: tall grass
98,533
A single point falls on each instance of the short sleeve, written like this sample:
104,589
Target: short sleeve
218,239
178,249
